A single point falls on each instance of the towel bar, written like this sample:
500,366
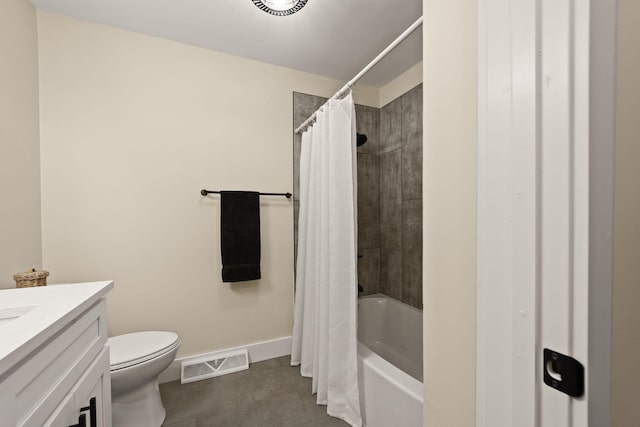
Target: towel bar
287,195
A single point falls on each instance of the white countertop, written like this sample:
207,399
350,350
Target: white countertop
46,310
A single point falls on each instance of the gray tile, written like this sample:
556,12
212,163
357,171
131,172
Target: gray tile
368,123
368,201
417,303
265,365
170,388
303,385
390,200
391,126
265,383
317,414
226,394
304,105
189,422
369,271
412,252
285,410
412,111
391,273
385,126
330,422
412,166
213,419
310,404
282,410
279,397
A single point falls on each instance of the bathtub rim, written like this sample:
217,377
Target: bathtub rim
393,301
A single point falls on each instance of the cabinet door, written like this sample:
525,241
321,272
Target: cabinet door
35,387
92,393
64,415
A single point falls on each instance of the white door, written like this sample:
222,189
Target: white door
544,211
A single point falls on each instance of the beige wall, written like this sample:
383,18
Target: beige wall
401,84
626,286
450,129
19,141
132,128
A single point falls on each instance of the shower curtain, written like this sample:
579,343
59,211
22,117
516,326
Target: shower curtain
325,314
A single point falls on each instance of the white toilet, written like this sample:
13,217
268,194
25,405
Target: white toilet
137,360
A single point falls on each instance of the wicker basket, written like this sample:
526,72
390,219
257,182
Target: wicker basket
31,278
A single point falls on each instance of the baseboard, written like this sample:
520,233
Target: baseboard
258,352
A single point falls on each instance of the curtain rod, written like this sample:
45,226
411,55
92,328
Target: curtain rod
366,69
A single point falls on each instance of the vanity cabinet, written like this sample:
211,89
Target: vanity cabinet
89,401
65,381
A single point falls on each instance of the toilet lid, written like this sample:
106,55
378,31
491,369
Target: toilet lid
130,349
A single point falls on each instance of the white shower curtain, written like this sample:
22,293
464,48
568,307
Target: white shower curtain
325,315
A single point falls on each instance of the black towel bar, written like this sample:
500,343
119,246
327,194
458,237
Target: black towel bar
287,195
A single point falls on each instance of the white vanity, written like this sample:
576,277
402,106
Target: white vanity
54,359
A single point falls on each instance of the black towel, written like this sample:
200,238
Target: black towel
240,231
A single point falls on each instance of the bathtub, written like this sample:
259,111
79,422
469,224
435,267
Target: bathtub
389,362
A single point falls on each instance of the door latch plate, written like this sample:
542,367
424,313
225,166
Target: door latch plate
564,373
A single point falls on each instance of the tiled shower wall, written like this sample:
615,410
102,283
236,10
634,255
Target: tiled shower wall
389,193
401,198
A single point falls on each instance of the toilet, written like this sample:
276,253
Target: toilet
137,359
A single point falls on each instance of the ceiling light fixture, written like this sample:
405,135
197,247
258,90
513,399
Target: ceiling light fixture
280,7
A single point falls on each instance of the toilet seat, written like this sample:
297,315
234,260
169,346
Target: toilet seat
131,349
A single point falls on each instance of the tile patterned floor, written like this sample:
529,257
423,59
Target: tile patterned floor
268,394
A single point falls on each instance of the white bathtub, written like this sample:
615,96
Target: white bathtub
389,362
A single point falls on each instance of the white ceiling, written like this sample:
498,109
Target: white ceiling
333,38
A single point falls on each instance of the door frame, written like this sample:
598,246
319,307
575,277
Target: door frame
511,308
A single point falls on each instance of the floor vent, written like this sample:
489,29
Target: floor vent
214,365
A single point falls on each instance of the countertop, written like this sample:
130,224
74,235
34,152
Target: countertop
47,309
